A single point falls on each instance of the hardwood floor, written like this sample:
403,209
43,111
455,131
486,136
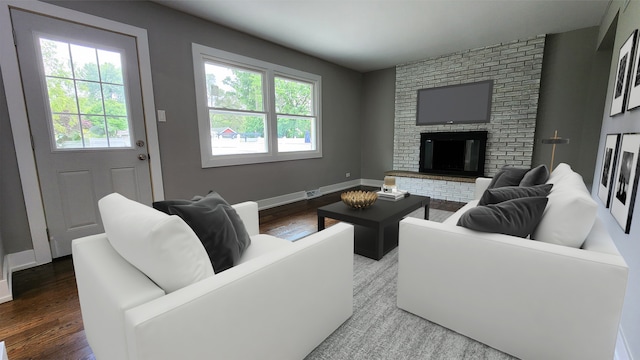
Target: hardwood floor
44,321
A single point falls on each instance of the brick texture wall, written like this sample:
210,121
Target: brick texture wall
515,68
438,189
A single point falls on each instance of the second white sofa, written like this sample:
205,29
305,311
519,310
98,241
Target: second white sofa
531,299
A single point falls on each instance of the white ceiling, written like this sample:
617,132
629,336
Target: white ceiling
368,35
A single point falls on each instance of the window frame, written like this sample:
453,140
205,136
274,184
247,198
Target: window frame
203,54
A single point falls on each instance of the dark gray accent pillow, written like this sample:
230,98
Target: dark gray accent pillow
536,176
164,204
498,195
508,176
214,199
517,217
217,225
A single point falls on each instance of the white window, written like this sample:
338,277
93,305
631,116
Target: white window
251,111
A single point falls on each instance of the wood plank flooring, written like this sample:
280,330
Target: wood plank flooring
44,321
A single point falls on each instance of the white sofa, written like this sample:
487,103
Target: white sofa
531,299
281,301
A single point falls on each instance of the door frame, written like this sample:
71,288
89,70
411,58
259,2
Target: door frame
41,252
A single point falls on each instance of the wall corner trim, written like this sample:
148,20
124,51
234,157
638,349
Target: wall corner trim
12,263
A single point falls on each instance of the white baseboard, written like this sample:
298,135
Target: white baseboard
622,350
21,260
340,186
5,288
3,352
373,183
281,200
302,195
12,263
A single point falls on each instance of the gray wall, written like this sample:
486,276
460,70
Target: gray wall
572,93
170,36
378,108
14,228
628,244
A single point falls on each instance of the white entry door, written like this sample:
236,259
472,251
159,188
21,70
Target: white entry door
84,104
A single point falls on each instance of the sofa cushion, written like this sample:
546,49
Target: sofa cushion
508,176
517,217
568,217
559,172
498,195
162,247
263,244
536,176
217,225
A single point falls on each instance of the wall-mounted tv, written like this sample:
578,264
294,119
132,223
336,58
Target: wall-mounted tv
455,104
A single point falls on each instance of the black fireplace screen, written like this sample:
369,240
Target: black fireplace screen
453,153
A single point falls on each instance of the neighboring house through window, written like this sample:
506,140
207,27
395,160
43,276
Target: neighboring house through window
251,111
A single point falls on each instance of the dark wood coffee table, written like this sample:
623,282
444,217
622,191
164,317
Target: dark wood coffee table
376,227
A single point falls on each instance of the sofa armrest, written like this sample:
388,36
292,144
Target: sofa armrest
482,183
248,212
278,306
107,285
530,299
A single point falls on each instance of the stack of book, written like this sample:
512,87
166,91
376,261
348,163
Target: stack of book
393,196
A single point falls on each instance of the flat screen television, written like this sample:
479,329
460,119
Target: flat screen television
455,104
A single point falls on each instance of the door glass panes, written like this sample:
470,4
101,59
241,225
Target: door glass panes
296,120
86,94
236,110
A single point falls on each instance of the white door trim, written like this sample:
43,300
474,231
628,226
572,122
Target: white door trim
19,120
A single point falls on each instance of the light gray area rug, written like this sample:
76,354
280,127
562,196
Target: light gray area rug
379,330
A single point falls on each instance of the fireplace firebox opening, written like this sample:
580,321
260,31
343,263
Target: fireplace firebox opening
453,153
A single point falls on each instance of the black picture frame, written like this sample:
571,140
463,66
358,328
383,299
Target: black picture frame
633,101
607,174
623,73
626,180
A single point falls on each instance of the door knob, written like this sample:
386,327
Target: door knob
142,156
140,143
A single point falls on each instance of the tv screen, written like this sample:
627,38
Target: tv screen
455,104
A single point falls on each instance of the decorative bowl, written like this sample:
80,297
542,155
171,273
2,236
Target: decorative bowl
359,199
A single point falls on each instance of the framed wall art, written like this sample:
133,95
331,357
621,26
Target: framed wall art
626,181
634,82
621,82
609,160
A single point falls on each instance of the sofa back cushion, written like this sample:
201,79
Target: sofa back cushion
570,212
162,247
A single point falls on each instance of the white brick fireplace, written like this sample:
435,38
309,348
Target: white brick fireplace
515,68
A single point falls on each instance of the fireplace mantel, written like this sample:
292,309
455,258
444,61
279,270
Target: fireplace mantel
419,175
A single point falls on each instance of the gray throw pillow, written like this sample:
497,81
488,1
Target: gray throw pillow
164,204
536,176
517,217
217,225
498,195
508,176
